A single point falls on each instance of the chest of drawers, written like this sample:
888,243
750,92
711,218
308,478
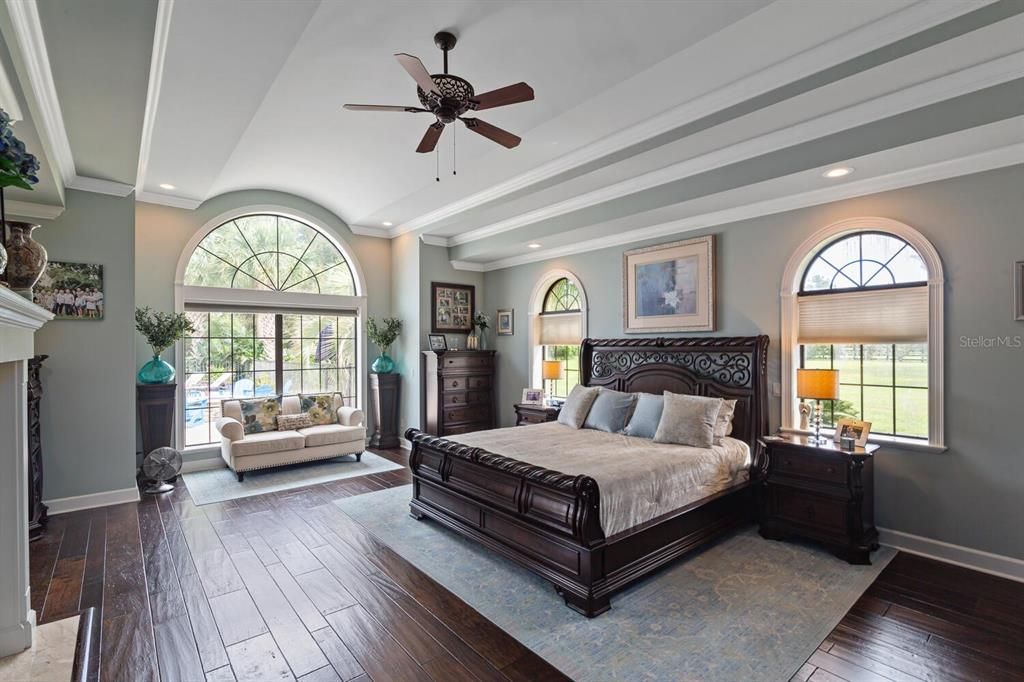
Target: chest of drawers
458,391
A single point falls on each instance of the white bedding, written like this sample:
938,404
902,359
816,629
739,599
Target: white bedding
639,479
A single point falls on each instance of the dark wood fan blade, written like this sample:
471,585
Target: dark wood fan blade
502,137
414,67
510,94
430,138
382,107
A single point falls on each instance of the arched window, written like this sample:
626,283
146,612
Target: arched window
276,306
862,300
558,312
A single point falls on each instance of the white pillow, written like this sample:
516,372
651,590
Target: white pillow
723,427
688,420
577,406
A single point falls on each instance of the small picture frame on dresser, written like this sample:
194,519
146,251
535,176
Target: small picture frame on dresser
532,396
437,342
853,428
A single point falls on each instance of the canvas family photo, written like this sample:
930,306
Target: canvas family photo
71,291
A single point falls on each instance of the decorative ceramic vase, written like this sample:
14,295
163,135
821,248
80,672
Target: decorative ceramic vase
26,259
3,256
383,365
156,371
473,340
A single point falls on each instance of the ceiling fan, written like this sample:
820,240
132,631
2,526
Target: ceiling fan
448,97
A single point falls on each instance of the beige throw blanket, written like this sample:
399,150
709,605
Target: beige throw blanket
639,479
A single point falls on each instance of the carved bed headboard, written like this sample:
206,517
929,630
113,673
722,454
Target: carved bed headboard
719,367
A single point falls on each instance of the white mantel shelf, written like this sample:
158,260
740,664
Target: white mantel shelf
19,321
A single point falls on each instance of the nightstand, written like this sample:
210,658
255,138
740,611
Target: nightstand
535,414
819,492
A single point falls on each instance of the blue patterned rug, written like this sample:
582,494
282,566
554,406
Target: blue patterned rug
218,485
744,609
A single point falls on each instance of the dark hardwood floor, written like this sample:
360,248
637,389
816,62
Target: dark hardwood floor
281,586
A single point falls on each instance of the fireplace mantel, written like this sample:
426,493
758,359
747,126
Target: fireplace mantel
19,321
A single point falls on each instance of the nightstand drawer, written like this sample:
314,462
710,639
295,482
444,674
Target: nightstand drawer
809,510
533,418
805,465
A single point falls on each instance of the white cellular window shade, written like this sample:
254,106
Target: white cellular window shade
897,315
560,329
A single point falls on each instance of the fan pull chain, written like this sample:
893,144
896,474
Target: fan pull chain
437,164
454,132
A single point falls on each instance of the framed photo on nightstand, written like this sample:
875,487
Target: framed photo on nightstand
532,396
853,428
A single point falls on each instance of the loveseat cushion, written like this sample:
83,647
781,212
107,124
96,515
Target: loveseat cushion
268,442
330,434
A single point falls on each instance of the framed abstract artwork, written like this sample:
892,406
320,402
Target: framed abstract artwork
506,322
670,287
451,308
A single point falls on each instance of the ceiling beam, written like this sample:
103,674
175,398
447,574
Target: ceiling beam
884,31
156,74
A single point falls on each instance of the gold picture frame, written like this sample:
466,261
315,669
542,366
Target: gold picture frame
670,287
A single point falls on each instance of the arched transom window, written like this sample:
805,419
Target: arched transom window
863,309
270,253
560,334
277,310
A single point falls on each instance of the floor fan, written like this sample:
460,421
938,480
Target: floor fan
159,467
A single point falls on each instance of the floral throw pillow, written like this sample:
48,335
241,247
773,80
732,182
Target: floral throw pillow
260,414
319,407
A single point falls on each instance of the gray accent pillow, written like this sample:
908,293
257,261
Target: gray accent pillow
646,416
610,411
723,427
577,405
688,420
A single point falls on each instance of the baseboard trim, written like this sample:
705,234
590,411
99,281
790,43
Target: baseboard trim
205,464
63,505
976,559
404,443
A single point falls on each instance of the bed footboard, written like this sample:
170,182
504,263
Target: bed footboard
545,520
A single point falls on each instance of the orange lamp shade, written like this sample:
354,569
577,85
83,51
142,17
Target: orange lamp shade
552,370
817,384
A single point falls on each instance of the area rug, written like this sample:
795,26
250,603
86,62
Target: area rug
744,608
220,485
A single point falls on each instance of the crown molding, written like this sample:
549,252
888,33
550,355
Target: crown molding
84,184
28,209
168,200
952,85
1008,155
470,266
371,231
156,75
883,31
434,240
29,33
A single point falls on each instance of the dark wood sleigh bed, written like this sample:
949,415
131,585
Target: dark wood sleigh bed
549,522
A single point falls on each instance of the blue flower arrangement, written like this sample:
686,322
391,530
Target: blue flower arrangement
18,167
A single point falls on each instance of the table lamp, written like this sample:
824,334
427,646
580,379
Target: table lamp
552,371
817,385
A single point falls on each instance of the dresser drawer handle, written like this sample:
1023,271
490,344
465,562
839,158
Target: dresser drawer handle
455,384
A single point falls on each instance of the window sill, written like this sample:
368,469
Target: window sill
909,444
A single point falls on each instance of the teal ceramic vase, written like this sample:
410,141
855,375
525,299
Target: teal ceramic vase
383,364
156,371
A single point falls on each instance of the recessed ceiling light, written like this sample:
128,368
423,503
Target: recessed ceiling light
387,223
837,172
533,245
166,185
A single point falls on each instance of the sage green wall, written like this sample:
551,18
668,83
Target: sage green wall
969,495
415,266
88,404
162,232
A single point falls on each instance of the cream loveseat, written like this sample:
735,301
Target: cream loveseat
245,452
